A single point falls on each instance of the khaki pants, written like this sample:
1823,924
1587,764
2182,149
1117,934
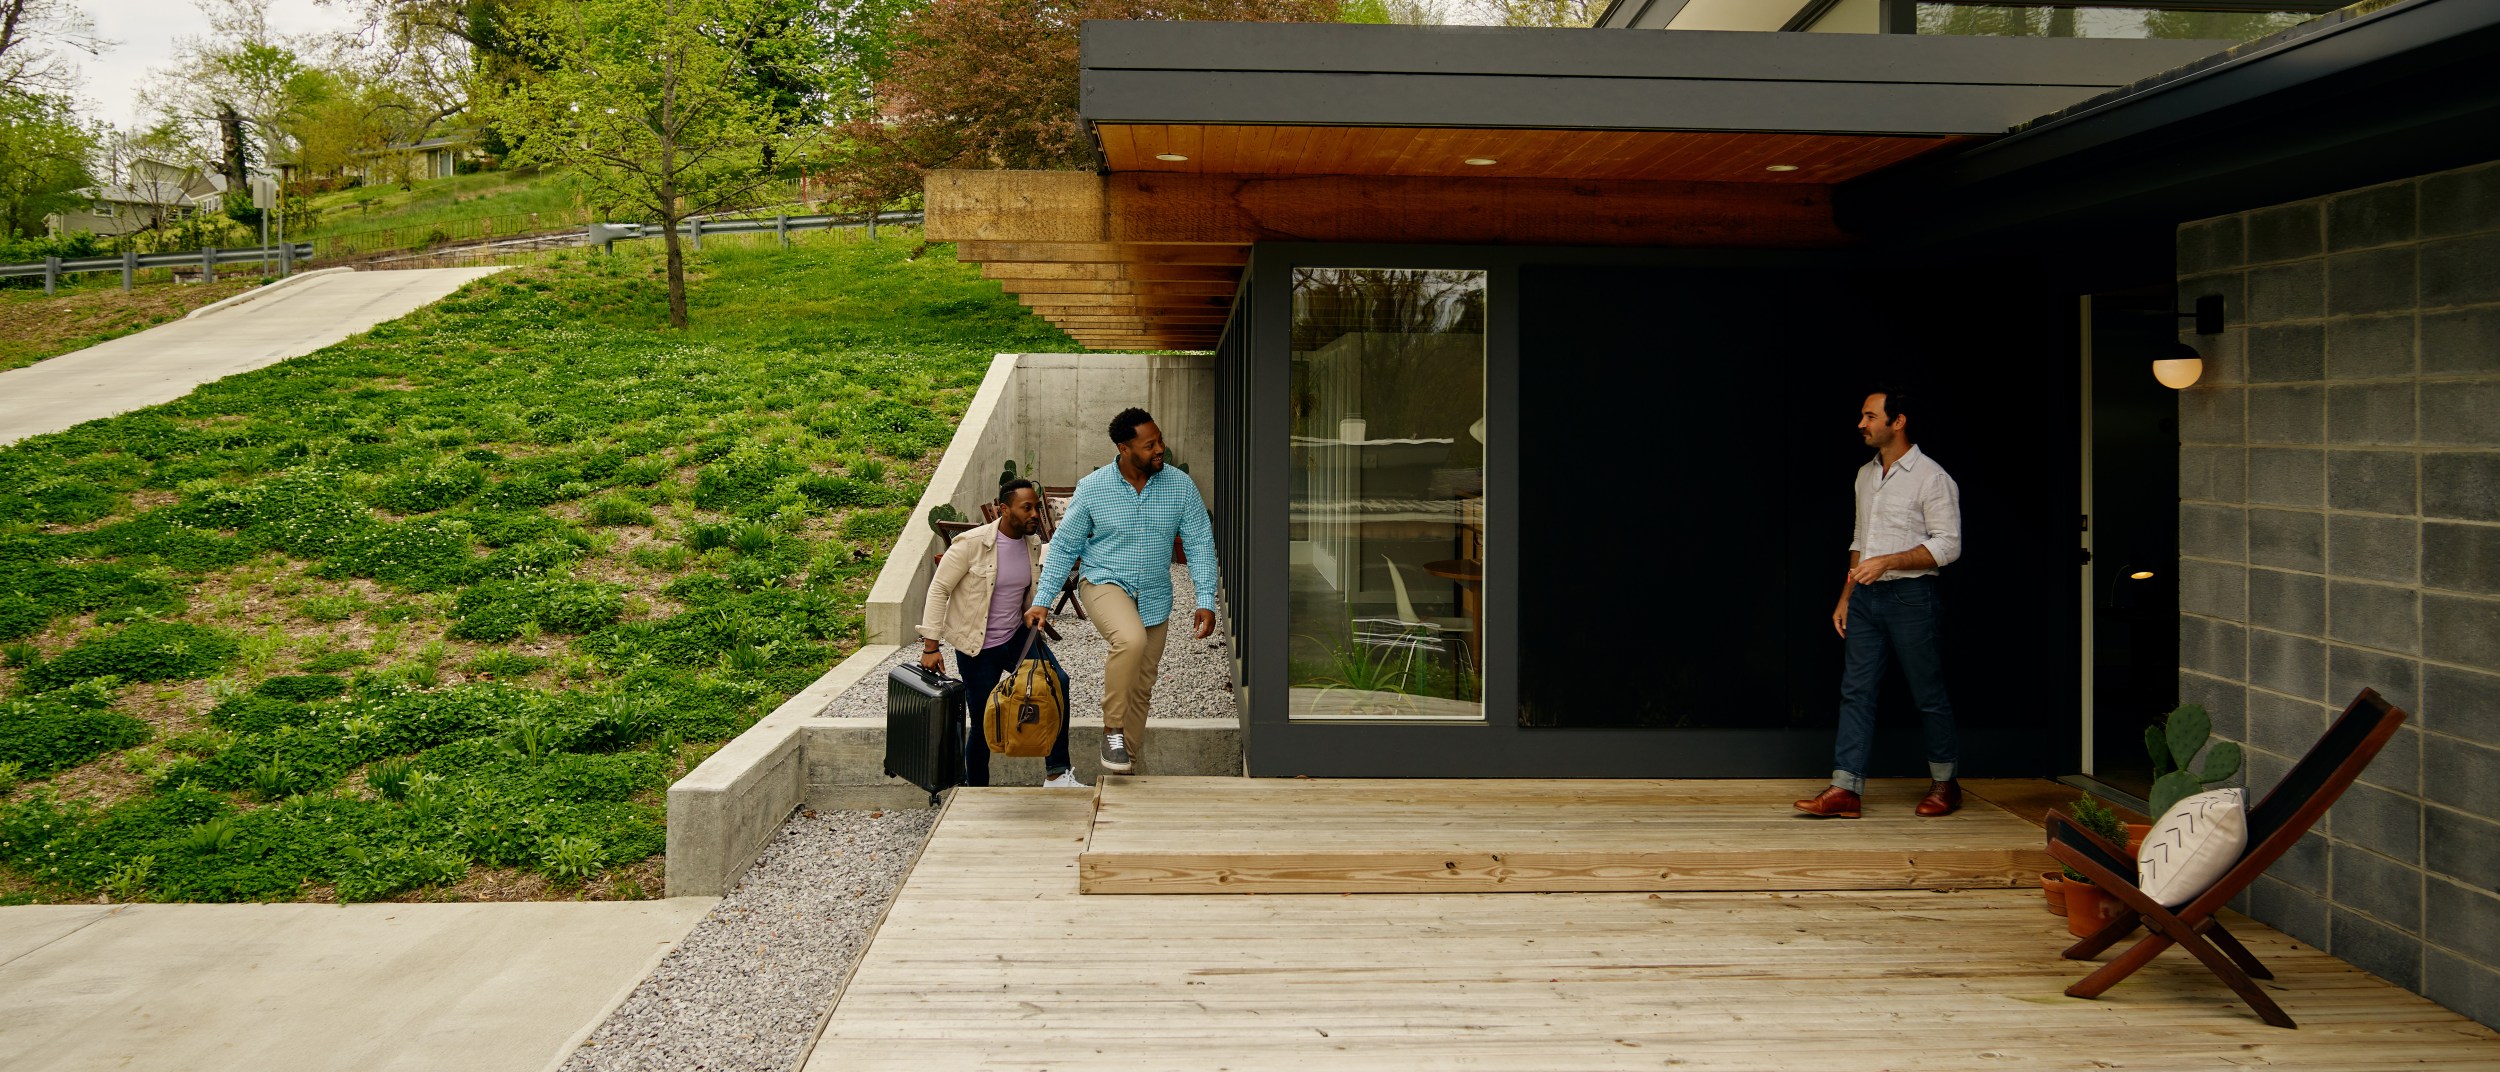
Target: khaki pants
1128,677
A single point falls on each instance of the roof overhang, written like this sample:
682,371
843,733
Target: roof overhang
2372,93
1214,136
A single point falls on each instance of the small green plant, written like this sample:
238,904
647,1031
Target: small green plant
272,781
11,772
748,658
662,557
530,740
2090,814
616,510
753,539
129,882
333,608
20,655
335,661
873,471
212,837
142,760
571,859
2172,744
705,537
389,778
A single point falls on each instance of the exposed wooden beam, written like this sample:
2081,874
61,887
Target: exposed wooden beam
1225,253
1150,218
1379,208
1143,301
1178,273
1113,286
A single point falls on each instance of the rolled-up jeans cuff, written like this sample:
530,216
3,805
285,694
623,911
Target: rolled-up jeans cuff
1942,772
1855,783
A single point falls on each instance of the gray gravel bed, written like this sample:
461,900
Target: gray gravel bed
746,989
1196,680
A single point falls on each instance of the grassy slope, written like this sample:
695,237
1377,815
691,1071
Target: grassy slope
33,327
458,197
440,610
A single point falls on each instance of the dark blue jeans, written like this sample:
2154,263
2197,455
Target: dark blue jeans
981,673
1900,619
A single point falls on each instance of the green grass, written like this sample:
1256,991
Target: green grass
446,606
431,201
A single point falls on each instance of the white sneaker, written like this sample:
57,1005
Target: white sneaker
1065,779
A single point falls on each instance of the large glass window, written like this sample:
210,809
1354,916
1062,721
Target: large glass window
1387,493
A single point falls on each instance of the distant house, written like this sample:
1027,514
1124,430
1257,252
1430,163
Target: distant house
437,157
152,193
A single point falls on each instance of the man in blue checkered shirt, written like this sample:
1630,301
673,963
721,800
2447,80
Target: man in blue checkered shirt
1118,539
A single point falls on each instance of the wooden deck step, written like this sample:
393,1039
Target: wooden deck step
1300,835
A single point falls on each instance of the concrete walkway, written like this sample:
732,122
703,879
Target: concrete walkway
279,987
165,362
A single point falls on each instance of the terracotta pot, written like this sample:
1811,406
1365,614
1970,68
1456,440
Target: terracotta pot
2088,909
2053,884
2135,836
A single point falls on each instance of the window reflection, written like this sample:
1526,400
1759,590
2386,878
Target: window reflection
1387,494
2024,20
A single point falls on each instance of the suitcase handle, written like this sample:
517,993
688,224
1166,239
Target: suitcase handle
933,675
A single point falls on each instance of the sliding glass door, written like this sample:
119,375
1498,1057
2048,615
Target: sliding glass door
1386,495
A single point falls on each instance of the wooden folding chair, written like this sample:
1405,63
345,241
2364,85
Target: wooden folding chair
2288,811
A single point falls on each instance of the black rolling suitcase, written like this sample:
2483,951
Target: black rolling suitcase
924,716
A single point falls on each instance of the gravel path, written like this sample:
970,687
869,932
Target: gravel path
746,989
1196,679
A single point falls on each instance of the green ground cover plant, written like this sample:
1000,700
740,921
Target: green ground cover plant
441,610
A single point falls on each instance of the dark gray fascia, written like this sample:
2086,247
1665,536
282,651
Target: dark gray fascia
1672,55
1271,74
1269,98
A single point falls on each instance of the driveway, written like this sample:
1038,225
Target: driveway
165,362
279,987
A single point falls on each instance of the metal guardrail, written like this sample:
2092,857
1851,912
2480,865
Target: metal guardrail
129,263
606,235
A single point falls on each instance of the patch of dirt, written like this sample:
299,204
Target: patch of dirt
33,327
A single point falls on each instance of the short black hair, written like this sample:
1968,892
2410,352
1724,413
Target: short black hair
1007,491
1124,426
1898,404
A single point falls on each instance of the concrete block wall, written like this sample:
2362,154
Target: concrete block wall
2339,527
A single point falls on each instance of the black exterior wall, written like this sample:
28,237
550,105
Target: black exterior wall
1668,504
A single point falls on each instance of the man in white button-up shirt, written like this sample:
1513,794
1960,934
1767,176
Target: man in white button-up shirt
1909,527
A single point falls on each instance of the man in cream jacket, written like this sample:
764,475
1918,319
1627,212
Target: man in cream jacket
976,605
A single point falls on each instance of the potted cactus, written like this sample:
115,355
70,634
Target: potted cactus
2173,744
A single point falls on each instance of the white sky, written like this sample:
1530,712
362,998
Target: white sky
146,29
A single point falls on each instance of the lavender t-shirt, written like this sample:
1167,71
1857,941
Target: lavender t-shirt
1007,601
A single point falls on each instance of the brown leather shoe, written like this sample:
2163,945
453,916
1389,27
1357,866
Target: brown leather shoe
1833,803
1943,798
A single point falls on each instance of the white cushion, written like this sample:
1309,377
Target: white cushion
2195,842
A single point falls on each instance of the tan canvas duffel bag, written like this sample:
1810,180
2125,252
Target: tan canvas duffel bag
1027,707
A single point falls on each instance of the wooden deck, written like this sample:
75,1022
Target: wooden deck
1300,835
991,959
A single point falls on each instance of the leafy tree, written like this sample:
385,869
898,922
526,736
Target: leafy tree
993,84
244,81
648,104
43,161
32,33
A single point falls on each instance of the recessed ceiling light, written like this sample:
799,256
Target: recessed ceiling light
1481,161
2140,575
1781,167
1173,157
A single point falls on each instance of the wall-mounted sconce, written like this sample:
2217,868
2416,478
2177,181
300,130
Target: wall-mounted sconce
2185,366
